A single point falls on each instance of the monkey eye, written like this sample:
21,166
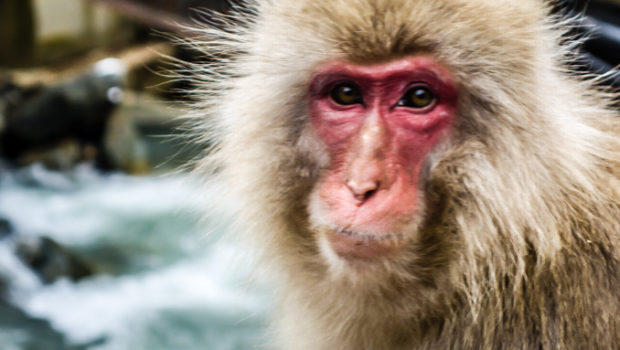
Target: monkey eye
346,94
418,97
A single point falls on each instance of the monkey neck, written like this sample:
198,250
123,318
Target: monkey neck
529,311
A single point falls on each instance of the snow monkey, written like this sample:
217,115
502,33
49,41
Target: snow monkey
420,174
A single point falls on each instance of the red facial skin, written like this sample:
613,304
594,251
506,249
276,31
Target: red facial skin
377,148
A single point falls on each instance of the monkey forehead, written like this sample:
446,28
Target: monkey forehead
420,67
472,36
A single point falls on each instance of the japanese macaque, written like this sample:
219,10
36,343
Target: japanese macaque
424,174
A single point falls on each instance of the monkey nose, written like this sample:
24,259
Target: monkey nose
362,190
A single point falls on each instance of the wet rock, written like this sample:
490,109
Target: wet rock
4,287
6,228
29,333
37,119
50,260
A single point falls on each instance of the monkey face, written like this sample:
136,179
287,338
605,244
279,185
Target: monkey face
379,124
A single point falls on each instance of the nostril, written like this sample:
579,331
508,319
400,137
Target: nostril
369,194
363,191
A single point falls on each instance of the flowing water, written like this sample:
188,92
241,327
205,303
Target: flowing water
162,281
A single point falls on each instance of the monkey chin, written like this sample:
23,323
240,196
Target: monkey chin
355,254
363,259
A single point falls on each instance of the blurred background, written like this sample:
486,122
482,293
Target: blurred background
104,240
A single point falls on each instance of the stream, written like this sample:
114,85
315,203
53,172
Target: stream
163,278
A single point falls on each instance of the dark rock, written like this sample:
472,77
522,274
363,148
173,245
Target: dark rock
50,260
5,228
36,119
35,334
4,287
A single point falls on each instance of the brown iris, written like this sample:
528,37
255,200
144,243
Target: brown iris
346,94
417,97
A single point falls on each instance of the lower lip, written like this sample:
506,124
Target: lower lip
351,245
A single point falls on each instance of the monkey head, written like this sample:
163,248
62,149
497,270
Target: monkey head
410,140
424,174
342,139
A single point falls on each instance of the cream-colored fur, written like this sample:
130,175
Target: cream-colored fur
519,243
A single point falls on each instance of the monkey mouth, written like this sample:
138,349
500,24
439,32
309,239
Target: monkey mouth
351,244
370,237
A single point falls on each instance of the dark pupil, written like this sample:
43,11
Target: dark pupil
346,94
418,97
422,95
